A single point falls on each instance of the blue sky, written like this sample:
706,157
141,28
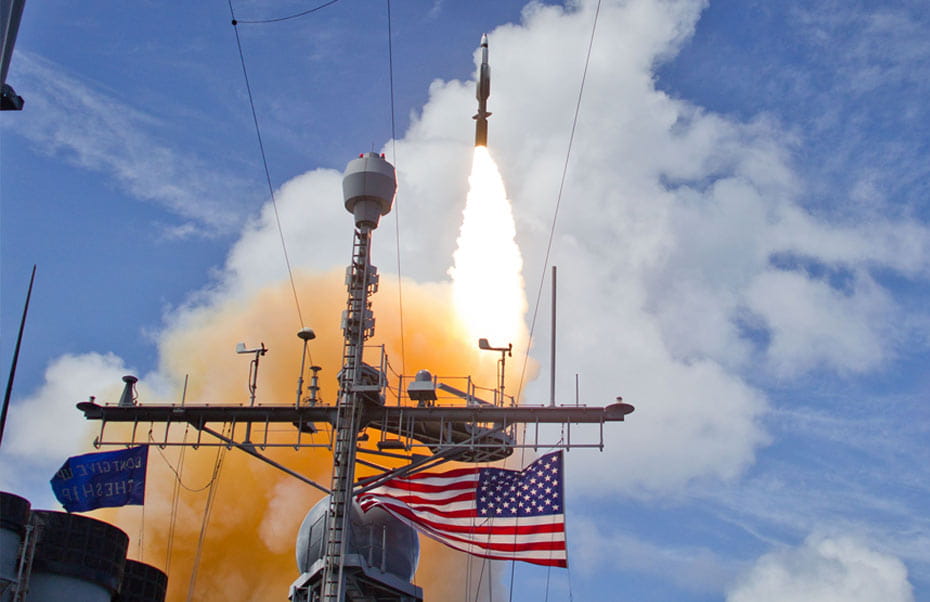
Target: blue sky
744,241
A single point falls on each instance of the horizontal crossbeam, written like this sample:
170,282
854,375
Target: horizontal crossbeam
202,414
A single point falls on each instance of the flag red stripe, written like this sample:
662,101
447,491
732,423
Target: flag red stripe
489,527
456,472
428,488
482,541
444,507
558,562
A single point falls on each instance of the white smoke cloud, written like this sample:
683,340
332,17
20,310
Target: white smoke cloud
44,428
687,263
310,210
825,569
290,500
91,127
50,410
599,550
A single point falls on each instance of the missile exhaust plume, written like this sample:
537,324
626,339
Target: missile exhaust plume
487,280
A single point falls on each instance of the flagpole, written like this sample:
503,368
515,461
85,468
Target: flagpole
19,340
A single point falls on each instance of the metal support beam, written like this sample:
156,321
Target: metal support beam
249,448
195,415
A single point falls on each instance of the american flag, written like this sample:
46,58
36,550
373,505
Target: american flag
488,512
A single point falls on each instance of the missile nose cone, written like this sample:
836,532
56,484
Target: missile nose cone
483,90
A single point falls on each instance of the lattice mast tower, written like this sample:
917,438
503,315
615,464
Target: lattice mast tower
369,187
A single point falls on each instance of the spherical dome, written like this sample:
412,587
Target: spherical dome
369,186
382,540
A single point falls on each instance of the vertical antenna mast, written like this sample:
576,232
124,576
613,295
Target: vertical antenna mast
552,350
369,186
19,340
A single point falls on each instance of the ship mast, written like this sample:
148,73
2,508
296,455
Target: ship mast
428,415
369,187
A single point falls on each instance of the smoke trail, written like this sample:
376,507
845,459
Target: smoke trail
487,276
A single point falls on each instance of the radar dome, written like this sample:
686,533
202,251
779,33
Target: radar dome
369,186
381,540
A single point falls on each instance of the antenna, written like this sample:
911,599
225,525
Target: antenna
184,392
19,340
306,335
552,344
241,348
253,379
505,351
128,398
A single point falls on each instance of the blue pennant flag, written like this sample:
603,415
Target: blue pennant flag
100,480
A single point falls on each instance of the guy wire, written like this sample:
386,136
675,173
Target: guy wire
400,285
261,148
558,201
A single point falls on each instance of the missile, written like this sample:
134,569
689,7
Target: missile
482,92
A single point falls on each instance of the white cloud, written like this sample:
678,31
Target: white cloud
813,324
310,208
825,569
671,224
695,569
45,428
69,379
92,128
687,263
289,501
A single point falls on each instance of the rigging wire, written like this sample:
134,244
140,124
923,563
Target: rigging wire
289,17
568,571
400,286
177,475
558,201
480,576
555,216
568,566
468,565
513,563
140,550
484,559
175,500
549,566
261,148
207,511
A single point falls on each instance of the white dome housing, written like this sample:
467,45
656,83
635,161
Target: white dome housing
369,186
380,540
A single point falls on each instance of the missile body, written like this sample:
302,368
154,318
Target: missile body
482,93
